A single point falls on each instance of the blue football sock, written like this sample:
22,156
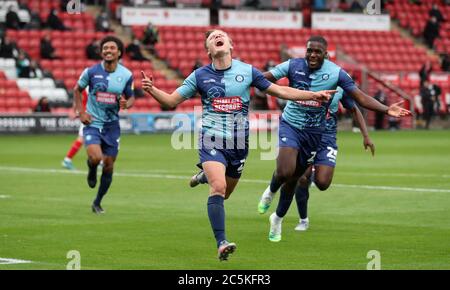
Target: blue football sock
302,196
285,201
275,184
216,214
105,182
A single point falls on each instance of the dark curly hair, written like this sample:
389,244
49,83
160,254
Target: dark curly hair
118,42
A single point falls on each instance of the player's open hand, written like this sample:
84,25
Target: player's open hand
147,83
369,144
85,118
395,110
123,103
324,96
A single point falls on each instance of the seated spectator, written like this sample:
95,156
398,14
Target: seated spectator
151,37
198,64
431,31
8,48
133,50
35,21
102,22
35,71
47,49
356,6
23,65
93,50
54,22
12,18
43,106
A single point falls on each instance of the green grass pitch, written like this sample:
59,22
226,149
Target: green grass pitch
397,203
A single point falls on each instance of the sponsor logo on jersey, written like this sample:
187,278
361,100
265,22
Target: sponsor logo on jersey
98,77
106,98
315,104
300,73
209,81
227,104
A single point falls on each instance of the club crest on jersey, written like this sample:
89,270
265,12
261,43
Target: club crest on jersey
216,92
325,77
213,152
239,78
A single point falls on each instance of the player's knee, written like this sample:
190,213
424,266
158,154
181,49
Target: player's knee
284,173
95,159
218,188
322,183
108,168
303,181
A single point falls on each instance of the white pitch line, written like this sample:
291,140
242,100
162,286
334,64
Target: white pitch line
394,174
4,196
8,261
180,177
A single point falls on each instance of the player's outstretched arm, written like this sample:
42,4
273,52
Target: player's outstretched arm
359,118
288,93
168,100
370,103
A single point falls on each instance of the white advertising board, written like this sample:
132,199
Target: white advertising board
162,16
260,19
350,21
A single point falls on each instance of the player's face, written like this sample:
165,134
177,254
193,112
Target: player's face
315,54
218,43
110,51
